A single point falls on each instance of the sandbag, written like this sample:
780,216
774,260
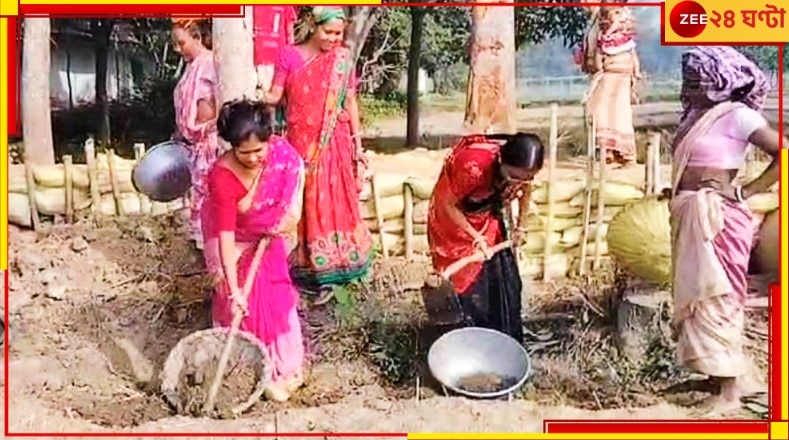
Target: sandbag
590,249
563,191
572,236
395,225
559,224
561,210
129,201
389,184
421,245
421,188
532,266
390,207
535,241
615,194
19,210
52,201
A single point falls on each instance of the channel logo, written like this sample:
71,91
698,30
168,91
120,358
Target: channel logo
688,19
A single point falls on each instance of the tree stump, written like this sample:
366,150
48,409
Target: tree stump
639,319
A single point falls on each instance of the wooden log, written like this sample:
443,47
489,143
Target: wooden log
600,208
649,170
587,211
379,217
93,176
116,191
30,182
408,220
656,140
639,318
553,146
68,176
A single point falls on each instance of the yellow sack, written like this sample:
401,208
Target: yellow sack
390,207
421,188
615,194
562,191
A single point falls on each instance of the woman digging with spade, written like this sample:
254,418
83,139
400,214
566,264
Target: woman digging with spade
480,178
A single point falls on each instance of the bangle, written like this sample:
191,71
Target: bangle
738,193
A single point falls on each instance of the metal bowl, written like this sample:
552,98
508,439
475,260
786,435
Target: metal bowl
470,351
164,173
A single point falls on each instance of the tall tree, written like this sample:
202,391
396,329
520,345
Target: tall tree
234,54
101,29
491,99
36,111
414,58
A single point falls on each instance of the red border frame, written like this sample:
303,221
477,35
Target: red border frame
550,426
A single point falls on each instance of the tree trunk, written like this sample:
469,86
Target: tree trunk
362,20
234,55
102,30
36,111
412,94
491,100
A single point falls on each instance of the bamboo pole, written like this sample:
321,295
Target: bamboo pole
408,221
587,212
93,176
68,173
116,191
139,152
30,182
649,170
598,242
657,139
553,146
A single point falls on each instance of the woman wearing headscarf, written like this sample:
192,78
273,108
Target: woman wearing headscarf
195,109
712,229
479,179
317,81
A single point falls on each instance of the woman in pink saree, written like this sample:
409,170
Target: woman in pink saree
317,81
254,195
722,94
195,109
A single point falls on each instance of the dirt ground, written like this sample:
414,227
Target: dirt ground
96,307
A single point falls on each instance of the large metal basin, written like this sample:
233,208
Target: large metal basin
471,351
163,174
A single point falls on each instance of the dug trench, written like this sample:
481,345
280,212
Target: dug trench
96,308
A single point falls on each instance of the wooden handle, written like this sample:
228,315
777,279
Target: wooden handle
238,316
473,258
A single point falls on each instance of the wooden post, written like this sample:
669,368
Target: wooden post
68,173
587,213
30,181
93,176
657,139
408,221
553,146
116,191
139,152
600,208
649,178
379,217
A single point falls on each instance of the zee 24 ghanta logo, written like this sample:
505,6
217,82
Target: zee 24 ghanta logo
688,19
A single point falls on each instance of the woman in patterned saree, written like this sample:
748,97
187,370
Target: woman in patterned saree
254,196
317,81
195,109
722,95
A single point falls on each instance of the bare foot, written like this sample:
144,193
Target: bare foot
717,406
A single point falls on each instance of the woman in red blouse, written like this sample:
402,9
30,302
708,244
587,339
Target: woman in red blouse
254,196
480,177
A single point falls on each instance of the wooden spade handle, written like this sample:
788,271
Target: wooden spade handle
238,316
473,258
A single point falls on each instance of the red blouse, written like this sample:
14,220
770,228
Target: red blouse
225,190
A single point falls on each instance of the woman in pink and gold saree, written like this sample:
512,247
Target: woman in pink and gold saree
195,109
254,195
317,82
712,227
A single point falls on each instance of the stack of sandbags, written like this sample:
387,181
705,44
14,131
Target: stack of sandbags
562,240
50,190
382,204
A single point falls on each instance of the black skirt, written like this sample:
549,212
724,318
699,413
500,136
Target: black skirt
494,300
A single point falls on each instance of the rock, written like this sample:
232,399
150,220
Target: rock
30,262
79,244
146,234
56,292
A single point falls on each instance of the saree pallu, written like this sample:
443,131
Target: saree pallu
609,103
335,246
198,82
712,239
270,212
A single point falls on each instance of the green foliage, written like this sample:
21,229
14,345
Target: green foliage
765,56
376,108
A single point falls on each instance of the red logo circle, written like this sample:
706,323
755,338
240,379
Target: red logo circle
688,19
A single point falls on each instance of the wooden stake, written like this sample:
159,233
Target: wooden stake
93,176
587,213
553,146
68,172
379,216
116,191
600,208
649,178
657,139
139,152
30,181
408,195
